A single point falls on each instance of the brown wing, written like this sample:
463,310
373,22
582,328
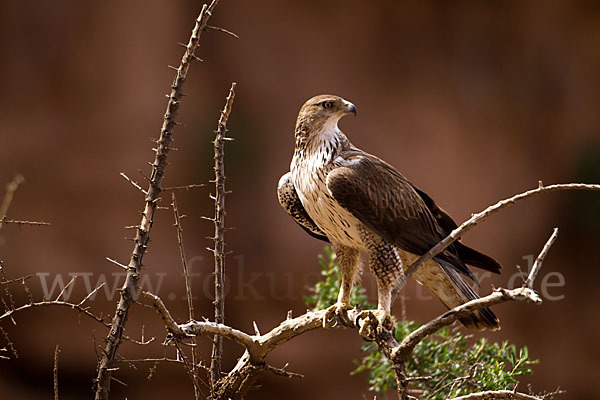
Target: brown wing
386,202
289,200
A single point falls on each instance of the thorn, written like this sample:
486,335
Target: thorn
289,315
135,184
216,28
117,263
540,184
195,57
172,67
143,175
182,44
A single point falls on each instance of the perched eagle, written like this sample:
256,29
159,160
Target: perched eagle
358,202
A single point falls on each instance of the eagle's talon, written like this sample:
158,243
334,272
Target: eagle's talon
337,313
372,322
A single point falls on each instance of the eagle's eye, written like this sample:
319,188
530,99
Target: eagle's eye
327,104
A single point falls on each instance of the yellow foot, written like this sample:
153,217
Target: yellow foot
371,322
337,313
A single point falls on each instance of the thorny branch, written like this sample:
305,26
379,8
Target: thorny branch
78,307
188,292
219,238
5,220
114,337
252,363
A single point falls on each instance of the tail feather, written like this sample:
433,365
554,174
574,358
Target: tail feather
473,257
481,319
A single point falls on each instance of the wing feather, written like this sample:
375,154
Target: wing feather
387,203
289,200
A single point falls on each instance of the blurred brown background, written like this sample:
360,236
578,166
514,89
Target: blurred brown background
474,101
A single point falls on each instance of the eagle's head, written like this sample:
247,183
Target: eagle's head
321,114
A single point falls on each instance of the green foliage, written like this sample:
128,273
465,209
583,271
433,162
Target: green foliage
449,365
446,364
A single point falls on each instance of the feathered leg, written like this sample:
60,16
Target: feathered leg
386,265
348,259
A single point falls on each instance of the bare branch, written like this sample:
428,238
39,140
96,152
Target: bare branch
65,288
480,216
216,28
497,394
219,239
5,220
114,337
184,187
134,183
540,258
55,373
188,292
186,275
118,264
92,293
77,307
283,372
165,314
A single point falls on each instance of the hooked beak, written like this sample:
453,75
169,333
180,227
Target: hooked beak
349,108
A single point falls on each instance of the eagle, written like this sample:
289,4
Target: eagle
357,202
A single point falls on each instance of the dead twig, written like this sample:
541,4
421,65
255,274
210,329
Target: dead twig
5,220
55,373
540,259
188,292
219,238
184,187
